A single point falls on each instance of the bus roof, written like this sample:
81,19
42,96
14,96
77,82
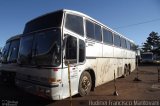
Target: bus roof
83,15
14,38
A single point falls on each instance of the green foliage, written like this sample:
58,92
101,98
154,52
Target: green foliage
0,49
152,43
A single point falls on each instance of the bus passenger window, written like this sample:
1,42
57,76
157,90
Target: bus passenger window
75,24
107,37
98,32
128,45
90,29
123,43
117,41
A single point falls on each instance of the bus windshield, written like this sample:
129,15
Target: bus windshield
13,51
25,49
46,21
41,48
147,56
10,51
5,52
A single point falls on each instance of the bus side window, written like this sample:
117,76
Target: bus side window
90,29
71,49
128,45
75,24
117,41
123,43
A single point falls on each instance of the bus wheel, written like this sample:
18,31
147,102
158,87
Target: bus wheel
129,69
125,72
85,84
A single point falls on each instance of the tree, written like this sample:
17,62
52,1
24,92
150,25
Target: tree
0,53
0,49
152,43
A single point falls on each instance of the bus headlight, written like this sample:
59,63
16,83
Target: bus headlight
53,80
44,91
48,92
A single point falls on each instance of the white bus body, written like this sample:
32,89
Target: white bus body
94,60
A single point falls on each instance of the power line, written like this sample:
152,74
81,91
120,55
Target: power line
145,22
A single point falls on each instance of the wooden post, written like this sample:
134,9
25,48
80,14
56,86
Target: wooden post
158,75
69,81
137,77
115,88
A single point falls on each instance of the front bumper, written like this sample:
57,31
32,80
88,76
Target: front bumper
47,91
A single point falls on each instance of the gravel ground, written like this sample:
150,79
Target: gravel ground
130,92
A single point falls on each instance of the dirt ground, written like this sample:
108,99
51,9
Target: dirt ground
134,93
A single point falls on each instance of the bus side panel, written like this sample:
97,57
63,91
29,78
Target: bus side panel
119,57
104,70
104,65
117,52
133,60
93,49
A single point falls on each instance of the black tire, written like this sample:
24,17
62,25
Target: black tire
129,69
85,84
125,72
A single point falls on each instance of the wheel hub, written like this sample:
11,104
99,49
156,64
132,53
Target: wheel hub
85,83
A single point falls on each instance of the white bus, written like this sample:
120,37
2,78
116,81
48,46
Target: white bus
9,59
50,40
147,57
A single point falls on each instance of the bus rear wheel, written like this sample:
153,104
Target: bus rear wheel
85,84
125,72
